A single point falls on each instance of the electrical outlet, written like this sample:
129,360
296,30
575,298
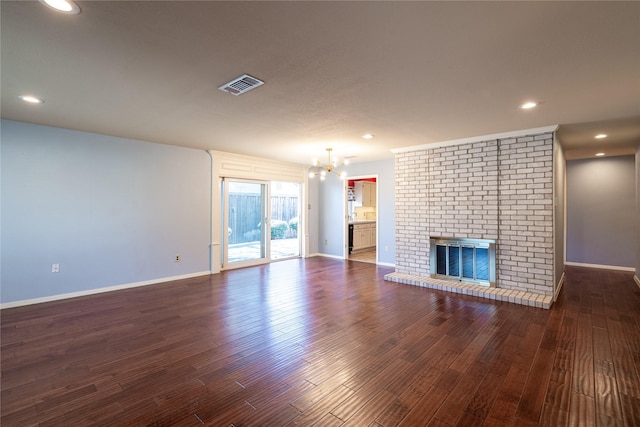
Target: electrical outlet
55,268
326,242
178,258
386,248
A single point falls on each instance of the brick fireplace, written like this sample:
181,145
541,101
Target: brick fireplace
498,189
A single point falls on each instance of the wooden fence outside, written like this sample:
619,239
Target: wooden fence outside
245,215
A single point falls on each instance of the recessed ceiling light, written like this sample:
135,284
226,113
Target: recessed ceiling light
31,99
528,105
600,136
599,154
368,136
65,6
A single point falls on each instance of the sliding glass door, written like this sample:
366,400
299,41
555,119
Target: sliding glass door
260,221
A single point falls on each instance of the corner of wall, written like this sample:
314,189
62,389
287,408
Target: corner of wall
558,287
559,213
638,212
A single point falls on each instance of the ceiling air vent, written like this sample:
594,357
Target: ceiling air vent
241,85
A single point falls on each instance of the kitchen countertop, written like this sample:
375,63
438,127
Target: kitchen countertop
362,221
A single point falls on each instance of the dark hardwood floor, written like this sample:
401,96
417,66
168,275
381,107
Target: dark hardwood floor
326,343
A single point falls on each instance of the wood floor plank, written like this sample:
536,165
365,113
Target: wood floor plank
368,413
278,407
399,407
484,397
459,398
582,411
436,422
322,407
430,402
583,378
323,342
559,391
504,408
631,410
553,416
310,397
369,390
608,407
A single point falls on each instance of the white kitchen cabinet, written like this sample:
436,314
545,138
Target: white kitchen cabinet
365,193
373,234
357,238
364,236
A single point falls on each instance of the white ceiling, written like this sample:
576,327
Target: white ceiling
411,73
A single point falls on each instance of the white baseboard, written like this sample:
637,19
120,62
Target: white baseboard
637,279
330,256
99,290
559,287
387,264
605,267
384,264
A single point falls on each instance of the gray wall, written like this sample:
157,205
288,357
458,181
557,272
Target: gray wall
330,216
601,211
559,177
110,211
331,209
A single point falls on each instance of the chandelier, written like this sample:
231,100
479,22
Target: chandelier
322,169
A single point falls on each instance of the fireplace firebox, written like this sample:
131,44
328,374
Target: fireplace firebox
463,260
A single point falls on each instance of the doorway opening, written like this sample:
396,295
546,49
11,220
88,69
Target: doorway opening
362,229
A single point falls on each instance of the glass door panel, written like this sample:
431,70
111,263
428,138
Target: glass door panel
244,226
285,214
